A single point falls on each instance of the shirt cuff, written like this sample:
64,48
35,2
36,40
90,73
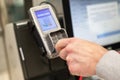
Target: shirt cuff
109,66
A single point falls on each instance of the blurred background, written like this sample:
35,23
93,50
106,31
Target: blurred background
15,9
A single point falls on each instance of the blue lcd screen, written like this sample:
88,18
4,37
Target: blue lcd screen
45,19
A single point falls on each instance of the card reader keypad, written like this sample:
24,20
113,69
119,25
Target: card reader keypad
53,37
57,36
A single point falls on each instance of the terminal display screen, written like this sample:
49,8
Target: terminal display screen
45,19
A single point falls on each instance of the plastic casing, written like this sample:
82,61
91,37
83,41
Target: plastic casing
43,34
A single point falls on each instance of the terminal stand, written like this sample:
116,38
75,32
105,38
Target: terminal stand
34,64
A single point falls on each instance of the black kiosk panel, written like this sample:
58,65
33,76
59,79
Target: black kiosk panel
35,65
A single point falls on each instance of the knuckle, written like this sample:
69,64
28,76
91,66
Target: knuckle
69,48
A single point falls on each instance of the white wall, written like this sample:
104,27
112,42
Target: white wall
4,73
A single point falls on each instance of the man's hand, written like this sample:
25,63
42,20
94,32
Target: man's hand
82,56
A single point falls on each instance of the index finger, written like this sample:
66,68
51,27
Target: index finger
62,43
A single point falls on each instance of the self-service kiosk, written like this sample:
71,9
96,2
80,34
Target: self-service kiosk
33,64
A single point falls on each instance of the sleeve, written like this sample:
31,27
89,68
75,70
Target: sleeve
108,67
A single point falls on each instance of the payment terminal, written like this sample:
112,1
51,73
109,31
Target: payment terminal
48,27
